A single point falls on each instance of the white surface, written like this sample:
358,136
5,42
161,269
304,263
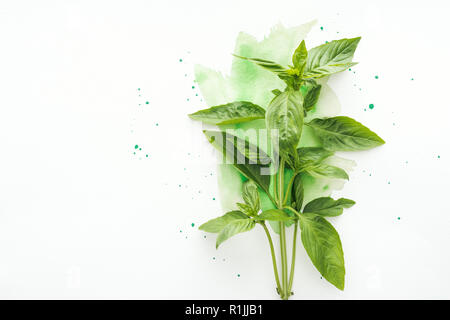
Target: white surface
82,217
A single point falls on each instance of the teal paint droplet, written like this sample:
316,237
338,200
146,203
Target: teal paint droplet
193,87
146,102
192,224
398,218
321,28
371,106
376,77
136,146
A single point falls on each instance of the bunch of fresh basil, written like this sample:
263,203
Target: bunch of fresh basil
284,117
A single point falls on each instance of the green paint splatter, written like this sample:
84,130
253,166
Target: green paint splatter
249,82
371,106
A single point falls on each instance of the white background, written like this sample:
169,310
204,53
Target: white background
81,216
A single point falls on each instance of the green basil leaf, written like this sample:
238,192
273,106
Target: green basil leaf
232,148
311,95
234,112
268,65
322,170
299,57
313,154
216,225
233,228
329,58
274,215
284,120
245,208
250,195
297,193
344,134
276,92
328,207
323,245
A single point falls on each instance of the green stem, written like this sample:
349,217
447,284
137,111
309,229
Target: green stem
284,271
283,260
291,182
274,260
294,250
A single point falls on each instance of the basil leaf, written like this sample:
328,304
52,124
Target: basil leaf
267,64
299,57
329,58
232,149
311,95
344,134
245,208
274,215
322,170
328,207
216,225
251,197
297,193
284,120
315,154
276,92
234,227
323,245
234,112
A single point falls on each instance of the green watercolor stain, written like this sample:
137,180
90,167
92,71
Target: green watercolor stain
376,77
192,224
371,106
136,146
249,82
